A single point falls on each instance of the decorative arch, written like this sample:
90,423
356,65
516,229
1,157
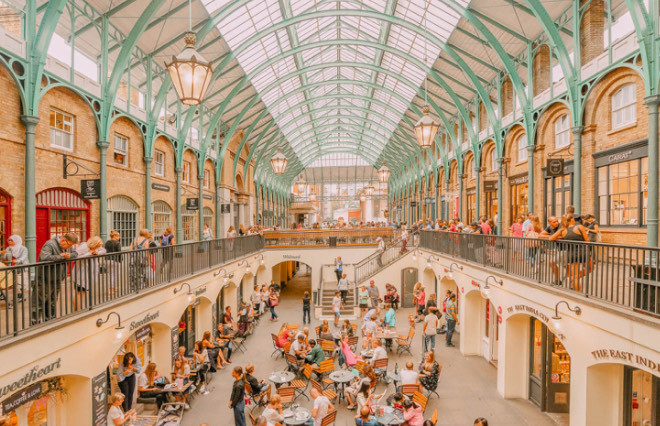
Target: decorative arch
124,217
61,210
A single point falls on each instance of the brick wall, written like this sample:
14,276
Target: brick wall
592,30
10,20
541,68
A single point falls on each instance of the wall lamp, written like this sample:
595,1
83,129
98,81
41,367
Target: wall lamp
415,254
260,257
225,275
247,265
190,294
498,281
432,259
556,319
119,328
451,269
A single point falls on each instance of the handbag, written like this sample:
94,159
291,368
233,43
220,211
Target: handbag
274,302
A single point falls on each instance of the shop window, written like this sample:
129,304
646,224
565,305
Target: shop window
471,207
518,197
624,106
123,218
61,130
188,219
208,217
5,218
641,397
61,210
623,193
206,183
159,163
185,173
121,150
493,160
522,148
562,132
162,217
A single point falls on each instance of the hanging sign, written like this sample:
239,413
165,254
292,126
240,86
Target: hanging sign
207,197
225,208
21,397
192,203
490,186
143,333
555,167
90,189
413,204
429,200
99,399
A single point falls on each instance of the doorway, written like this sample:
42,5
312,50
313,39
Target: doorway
409,278
492,331
549,370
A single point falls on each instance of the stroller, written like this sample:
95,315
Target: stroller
170,414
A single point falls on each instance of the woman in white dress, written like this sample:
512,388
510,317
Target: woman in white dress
86,272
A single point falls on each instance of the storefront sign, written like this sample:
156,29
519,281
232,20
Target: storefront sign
631,151
629,357
174,338
19,398
31,376
530,310
160,187
413,204
555,167
192,203
225,208
143,333
490,186
90,189
147,318
518,180
200,290
207,197
99,399
429,200
290,256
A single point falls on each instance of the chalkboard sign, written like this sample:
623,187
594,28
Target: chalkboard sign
174,336
214,316
21,397
555,167
99,399
192,203
225,208
90,189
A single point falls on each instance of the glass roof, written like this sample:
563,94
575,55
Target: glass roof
329,93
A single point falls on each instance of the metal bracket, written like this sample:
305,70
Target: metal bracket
68,165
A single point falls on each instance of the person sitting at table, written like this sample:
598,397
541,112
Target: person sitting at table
347,328
201,361
412,413
372,314
146,384
396,401
181,376
346,354
325,333
365,418
305,333
116,415
351,391
390,317
223,340
228,320
273,412
322,406
315,356
369,329
365,398
181,354
379,352
408,376
258,386
298,347
283,336
215,352
429,371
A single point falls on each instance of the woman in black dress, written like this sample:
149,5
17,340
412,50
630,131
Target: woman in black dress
429,371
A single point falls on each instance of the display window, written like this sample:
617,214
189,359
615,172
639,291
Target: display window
641,398
490,190
471,199
549,370
5,218
61,210
38,404
518,197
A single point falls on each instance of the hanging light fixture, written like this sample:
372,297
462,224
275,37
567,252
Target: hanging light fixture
279,162
369,190
300,185
383,173
427,127
189,71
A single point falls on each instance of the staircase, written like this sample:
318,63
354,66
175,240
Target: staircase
329,288
376,262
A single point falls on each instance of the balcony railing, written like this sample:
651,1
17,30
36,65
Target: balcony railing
328,237
48,291
627,276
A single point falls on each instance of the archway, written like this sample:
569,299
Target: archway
295,279
430,282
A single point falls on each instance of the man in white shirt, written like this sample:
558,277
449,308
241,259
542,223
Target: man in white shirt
322,407
298,347
342,286
336,306
409,376
379,351
430,329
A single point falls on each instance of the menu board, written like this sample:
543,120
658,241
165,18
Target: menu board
99,399
174,336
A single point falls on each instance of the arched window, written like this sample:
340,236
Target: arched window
61,210
624,106
161,217
208,217
5,218
188,225
123,218
562,132
522,148
493,160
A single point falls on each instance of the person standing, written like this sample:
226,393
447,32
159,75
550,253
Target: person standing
86,273
342,286
430,329
127,373
404,239
322,407
306,300
381,250
167,241
420,302
231,234
49,277
237,399
113,262
339,267
14,255
452,319
363,300
207,233
336,307
374,294
273,301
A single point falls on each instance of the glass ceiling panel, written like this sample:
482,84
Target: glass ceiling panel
377,126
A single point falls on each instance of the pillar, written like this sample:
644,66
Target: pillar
179,218
460,178
500,195
477,195
30,123
652,103
577,167
103,201
148,219
530,175
200,202
218,217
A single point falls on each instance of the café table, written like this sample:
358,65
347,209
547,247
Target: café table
367,353
388,336
395,378
146,420
341,377
281,377
296,415
389,417
173,388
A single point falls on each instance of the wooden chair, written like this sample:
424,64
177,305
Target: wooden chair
300,385
252,419
328,347
326,367
257,400
420,399
353,342
434,417
328,393
292,363
410,390
318,330
380,367
286,348
360,366
277,350
293,326
287,393
329,418
354,327
403,345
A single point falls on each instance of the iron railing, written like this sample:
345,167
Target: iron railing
328,237
627,276
47,291
376,262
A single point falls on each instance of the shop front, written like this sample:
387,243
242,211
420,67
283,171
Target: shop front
641,397
39,404
549,370
187,327
471,203
5,218
491,332
490,190
518,196
557,191
61,210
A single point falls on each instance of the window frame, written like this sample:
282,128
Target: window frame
55,131
114,149
562,133
158,164
632,105
185,172
206,180
640,216
521,154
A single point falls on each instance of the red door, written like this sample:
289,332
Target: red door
5,218
43,228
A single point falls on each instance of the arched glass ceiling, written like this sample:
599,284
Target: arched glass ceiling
329,124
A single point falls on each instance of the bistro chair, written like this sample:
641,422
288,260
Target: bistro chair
434,417
299,384
328,347
410,390
287,393
353,342
326,367
328,393
329,418
404,345
292,363
380,368
277,350
258,400
420,399
354,327
293,326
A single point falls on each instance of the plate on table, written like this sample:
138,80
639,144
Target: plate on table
287,413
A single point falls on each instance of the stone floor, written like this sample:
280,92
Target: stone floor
467,386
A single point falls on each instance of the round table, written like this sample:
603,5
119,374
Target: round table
395,377
390,417
368,353
300,416
281,377
341,377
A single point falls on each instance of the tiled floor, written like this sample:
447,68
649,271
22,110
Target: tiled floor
467,384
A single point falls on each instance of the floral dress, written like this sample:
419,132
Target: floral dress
430,381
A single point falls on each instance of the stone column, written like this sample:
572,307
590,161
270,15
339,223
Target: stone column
30,122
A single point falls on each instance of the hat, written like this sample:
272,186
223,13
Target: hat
474,224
